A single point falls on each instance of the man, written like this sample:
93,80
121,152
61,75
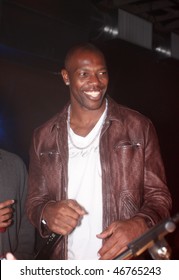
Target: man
96,176
17,234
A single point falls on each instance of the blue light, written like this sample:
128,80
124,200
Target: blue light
2,129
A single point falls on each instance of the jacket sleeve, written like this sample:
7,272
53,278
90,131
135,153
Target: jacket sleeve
38,195
157,199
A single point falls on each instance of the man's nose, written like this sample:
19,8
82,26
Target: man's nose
94,79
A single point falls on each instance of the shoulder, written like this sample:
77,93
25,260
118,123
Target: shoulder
11,162
126,115
49,126
10,157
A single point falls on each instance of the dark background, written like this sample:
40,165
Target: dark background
34,38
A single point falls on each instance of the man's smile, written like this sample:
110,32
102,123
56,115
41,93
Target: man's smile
93,94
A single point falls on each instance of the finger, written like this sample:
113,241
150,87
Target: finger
10,256
68,220
5,213
65,220
76,207
63,228
67,211
64,225
112,252
6,223
108,245
106,233
113,245
5,218
6,203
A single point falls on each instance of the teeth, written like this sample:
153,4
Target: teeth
92,93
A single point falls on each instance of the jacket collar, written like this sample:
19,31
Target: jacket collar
113,113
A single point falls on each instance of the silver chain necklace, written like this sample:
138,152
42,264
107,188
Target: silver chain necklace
95,137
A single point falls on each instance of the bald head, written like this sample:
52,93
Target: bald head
80,48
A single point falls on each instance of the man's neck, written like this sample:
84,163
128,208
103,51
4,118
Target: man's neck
83,121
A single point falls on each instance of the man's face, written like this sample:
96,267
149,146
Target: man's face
88,78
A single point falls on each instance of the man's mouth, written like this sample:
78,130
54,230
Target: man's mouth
93,94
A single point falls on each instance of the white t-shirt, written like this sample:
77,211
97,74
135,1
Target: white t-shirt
85,186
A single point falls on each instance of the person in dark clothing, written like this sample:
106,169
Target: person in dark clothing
17,235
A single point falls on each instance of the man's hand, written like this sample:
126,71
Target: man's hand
63,216
118,235
6,213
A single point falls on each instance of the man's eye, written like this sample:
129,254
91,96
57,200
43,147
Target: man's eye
103,73
83,74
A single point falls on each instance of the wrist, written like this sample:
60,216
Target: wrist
44,217
144,222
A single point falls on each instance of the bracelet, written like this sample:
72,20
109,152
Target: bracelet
44,222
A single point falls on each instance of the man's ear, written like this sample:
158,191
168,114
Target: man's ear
65,76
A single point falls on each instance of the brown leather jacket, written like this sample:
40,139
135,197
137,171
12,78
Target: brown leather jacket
133,178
